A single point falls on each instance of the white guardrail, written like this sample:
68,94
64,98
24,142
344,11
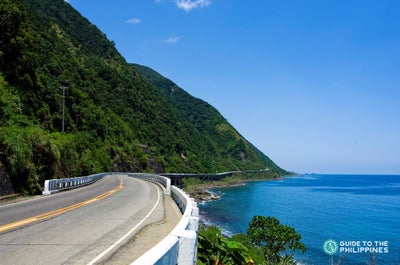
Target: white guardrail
165,182
178,247
55,185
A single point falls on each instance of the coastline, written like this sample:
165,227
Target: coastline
373,204
201,192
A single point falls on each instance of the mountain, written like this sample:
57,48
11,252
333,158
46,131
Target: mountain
213,127
57,70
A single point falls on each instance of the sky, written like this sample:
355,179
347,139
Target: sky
313,84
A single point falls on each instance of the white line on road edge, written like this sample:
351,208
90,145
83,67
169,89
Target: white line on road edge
105,252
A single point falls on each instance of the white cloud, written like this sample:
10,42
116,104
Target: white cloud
172,39
133,21
188,5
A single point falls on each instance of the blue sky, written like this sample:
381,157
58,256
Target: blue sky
313,84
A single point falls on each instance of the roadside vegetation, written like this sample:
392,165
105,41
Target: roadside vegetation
267,242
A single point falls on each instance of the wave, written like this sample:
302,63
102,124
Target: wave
207,222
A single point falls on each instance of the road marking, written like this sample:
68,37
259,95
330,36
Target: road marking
54,213
118,242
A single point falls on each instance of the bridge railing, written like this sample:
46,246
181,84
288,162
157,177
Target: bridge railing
165,182
56,185
180,246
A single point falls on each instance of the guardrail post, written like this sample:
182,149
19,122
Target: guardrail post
187,247
193,223
167,186
46,190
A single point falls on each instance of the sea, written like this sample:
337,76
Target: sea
343,219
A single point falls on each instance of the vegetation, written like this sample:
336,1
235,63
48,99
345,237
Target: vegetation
117,116
274,239
266,243
213,248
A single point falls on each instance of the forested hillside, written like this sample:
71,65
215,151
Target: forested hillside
214,129
117,117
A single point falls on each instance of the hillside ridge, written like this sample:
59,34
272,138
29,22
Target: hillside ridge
117,116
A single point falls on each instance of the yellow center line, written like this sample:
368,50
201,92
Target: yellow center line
54,213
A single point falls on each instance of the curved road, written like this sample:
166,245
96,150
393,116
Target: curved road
81,226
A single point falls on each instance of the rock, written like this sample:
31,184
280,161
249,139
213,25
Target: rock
202,195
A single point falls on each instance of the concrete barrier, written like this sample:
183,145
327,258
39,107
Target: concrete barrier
56,185
180,246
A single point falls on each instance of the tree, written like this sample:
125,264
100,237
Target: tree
274,239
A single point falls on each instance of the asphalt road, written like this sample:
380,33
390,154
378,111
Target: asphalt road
103,217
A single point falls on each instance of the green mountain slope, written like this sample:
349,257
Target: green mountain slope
117,116
215,131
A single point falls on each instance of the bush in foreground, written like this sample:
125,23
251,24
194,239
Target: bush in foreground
266,242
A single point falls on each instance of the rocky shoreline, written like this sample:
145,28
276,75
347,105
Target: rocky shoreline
201,193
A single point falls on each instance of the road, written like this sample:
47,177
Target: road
81,226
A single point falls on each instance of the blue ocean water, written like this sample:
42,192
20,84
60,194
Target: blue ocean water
361,210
